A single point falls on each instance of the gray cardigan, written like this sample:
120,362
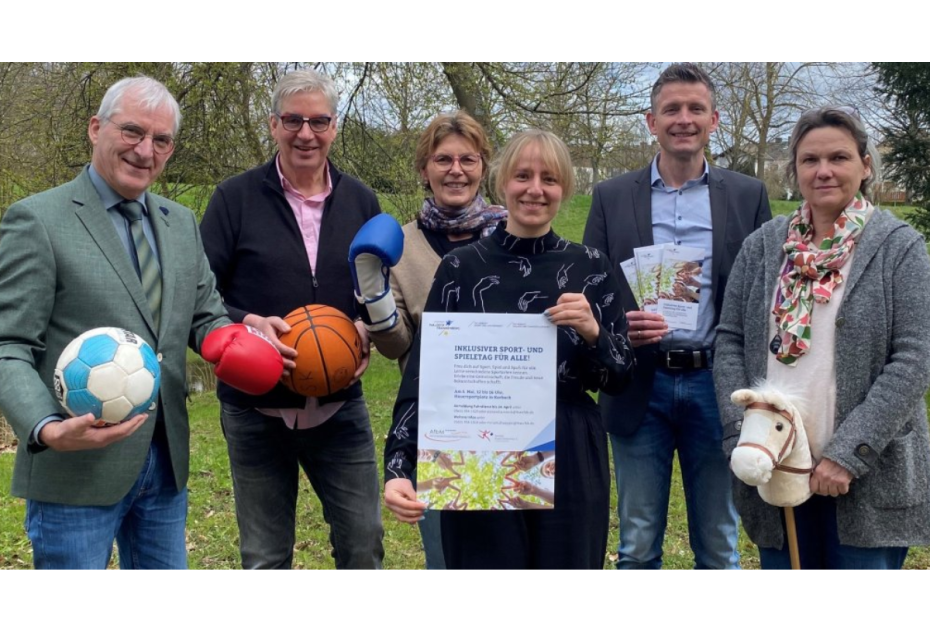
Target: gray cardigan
882,371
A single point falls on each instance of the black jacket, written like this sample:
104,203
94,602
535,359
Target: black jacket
256,251
621,220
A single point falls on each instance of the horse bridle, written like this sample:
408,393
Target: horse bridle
789,443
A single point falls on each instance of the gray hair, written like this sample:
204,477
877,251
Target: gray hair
687,72
151,95
841,117
304,81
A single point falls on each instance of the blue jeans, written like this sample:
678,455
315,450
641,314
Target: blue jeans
682,416
819,544
431,533
338,457
148,525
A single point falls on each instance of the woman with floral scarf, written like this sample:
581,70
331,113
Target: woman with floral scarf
452,161
833,302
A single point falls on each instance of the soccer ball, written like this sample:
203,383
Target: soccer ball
109,372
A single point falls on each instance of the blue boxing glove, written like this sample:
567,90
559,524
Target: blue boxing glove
376,248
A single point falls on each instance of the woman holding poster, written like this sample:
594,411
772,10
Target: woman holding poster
523,267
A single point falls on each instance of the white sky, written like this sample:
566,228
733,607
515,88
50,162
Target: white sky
671,30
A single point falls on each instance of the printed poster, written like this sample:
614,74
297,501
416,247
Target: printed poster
487,412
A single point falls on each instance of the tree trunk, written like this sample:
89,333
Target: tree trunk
249,131
457,73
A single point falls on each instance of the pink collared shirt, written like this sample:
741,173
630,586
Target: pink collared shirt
308,211
309,215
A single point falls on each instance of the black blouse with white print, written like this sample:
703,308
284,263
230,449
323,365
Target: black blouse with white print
503,273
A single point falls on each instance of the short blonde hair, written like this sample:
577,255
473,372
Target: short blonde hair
457,123
552,150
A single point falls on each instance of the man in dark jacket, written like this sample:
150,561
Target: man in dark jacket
671,405
277,238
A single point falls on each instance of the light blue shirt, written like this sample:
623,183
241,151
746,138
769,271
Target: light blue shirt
682,216
111,200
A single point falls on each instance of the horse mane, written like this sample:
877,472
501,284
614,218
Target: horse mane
787,393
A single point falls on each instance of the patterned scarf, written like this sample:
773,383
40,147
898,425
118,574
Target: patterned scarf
478,215
813,274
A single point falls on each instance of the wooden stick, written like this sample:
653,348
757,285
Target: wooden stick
792,538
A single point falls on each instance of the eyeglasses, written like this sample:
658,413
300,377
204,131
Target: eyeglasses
292,122
133,134
468,162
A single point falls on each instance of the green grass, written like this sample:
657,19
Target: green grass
570,221
212,531
784,207
15,551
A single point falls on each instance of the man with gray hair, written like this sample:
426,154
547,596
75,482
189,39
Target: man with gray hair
74,258
277,237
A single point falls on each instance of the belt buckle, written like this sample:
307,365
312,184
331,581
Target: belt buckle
699,360
668,360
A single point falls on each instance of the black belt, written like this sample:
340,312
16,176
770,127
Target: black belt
685,359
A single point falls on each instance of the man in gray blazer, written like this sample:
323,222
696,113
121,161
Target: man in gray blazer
670,405
69,262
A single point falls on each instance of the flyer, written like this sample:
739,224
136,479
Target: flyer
486,411
628,267
680,287
648,268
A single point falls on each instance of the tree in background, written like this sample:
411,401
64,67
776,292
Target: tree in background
760,102
596,107
45,107
905,87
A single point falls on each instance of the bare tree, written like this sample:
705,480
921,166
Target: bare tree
760,102
595,107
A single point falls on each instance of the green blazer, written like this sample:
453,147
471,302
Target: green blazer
63,271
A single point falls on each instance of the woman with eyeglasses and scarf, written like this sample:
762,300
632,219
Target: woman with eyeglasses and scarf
832,301
452,161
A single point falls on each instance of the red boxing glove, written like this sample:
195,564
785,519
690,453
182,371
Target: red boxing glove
243,358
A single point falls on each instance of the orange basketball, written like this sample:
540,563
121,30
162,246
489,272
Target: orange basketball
329,350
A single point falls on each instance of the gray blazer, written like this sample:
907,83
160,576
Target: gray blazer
63,270
621,220
882,371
